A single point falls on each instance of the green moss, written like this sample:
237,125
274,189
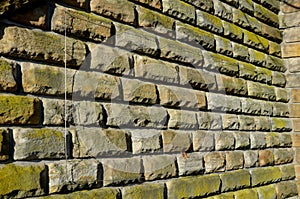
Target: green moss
4,66
117,137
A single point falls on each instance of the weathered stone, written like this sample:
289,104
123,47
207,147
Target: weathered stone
5,144
80,24
155,22
265,75
272,139
232,31
77,3
180,97
275,63
282,95
19,110
240,52
230,122
234,160
197,79
180,119
173,50
7,7
155,69
258,140
145,191
192,163
290,6
159,167
153,3
35,144
214,162
265,175
290,35
261,91
209,22
121,170
109,60
281,124
206,5
250,158
7,76
271,32
221,63
19,180
242,140
262,123
194,36
292,81
293,64
283,156
287,172
265,192
96,86
85,113
224,140
231,85
286,189
203,141
46,80
223,10
247,71
124,116
285,139
146,141
17,42
251,106
240,18
127,37
257,57
72,175
275,49
176,141
272,5
246,194
96,142
121,10
288,20
280,109
138,91
235,180
179,9
219,102
190,187
207,120
255,41
246,6
256,26
291,50
265,15
223,46
265,157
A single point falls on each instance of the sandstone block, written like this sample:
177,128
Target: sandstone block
247,123
262,123
224,140
293,64
30,180
180,97
240,52
235,180
121,10
266,157
145,141
242,140
246,194
289,6
247,70
203,141
5,144
275,49
246,6
295,95
280,109
255,25
266,192
224,46
234,160
265,75
7,76
80,24
232,31
35,144
232,85
146,191
255,41
176,141
240,18
191,164
288,20
286,189
271,32
262,91
291,50
208,120
251,106
42,47
292,81
230,122
257,57
205,5
121,170
258,140
285,139
155,70
180,119
223,10
159,167
272,5
283,156
225,103
260,176
281,124
85,113
282,95
189,187
273,139
214,162
153,3
266,15
19,110
250,158
209,22
275,63
96,142
288,172
179,9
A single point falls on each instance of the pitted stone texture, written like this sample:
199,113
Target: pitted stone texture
159,167
267,192
35,144
286,189
226,103
121,170
97,142
234,160
119,115
145,191
5,144
173,50
240,52
223,10
214,162
19,110
7,76
265,175
21,180
203,141
275,63
255,41
283,156
287,172
109,60
180,119
180,97
231,85
240,18
179,9
235,180
176,141
250,158
73,175
266,15
190,187
206,5
42,47
80,24
121,10
135,40
266,157
209,120
209,22
192,163
232,31
224,46
85,113
224,141
155,69
242,140
146,141
139,91
46,80
94,85
258,140
281,124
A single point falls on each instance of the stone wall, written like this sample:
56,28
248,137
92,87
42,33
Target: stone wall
164,99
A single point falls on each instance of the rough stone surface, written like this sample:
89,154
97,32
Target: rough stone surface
250,158
7,76
230,122
176,141
242,140
267,192
265,175
203,141
209,22
224,103
146,191
224,141
179,9
190,164
206,5
214,162
286,189
180,119
283,156
153,3
266,157
207,120
234,160
258,140
146,141
235,180
246,194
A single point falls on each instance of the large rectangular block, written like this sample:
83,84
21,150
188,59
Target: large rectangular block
192,163
293,64
286,189
290,34
145,191
176,141
146,141
209,22
235,180
271,32
179,9
224,46
283,156
240,52
260,176
288,20
214,162
18,110
232,31
291,50
255,41
281,124
246,194
266,15
225,103
181,119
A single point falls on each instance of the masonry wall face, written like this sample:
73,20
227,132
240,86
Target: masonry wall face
164,99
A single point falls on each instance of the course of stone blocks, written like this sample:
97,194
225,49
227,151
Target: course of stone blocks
164,99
